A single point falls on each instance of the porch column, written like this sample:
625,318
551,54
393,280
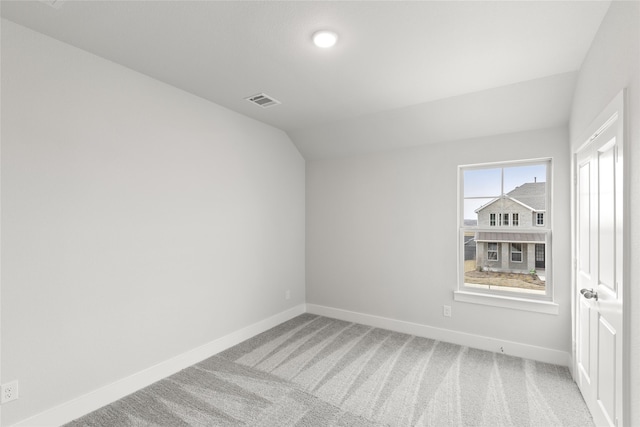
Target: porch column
505,255
480,256
531,256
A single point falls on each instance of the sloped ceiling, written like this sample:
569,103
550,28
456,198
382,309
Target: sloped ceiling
402,73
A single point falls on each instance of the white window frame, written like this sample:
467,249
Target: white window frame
541,303
497,251
492,220
515,219
538,216
514,252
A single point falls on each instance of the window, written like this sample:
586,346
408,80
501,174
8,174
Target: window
492,251
516,252
505,269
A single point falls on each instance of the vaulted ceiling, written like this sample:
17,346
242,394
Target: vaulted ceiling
402,73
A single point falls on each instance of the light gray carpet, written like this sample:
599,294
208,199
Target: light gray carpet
316,371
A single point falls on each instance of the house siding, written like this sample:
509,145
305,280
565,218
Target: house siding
504,234
505,206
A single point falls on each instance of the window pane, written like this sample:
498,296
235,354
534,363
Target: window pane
516,252
504,264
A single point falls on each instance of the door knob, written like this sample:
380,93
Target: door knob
589,294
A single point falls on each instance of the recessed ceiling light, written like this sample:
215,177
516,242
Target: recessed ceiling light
325,38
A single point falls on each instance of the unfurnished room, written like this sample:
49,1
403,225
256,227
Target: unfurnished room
319,213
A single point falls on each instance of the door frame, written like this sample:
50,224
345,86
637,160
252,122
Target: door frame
615,107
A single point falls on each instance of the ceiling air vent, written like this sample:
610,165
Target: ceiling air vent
263,100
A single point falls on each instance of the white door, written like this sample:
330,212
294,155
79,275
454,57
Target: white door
599,243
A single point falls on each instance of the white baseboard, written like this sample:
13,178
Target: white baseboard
511,348
89,402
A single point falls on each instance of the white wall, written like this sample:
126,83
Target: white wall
612,64
382,236
138,221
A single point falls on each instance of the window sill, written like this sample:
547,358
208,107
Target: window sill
546,307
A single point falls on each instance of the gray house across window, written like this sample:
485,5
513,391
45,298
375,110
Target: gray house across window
508,249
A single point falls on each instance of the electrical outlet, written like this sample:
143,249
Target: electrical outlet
446,312
287,294
9,391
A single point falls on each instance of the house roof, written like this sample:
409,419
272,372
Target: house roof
531,195
490,236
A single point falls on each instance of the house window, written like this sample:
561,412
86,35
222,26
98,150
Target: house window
492,251
501,272
516,252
